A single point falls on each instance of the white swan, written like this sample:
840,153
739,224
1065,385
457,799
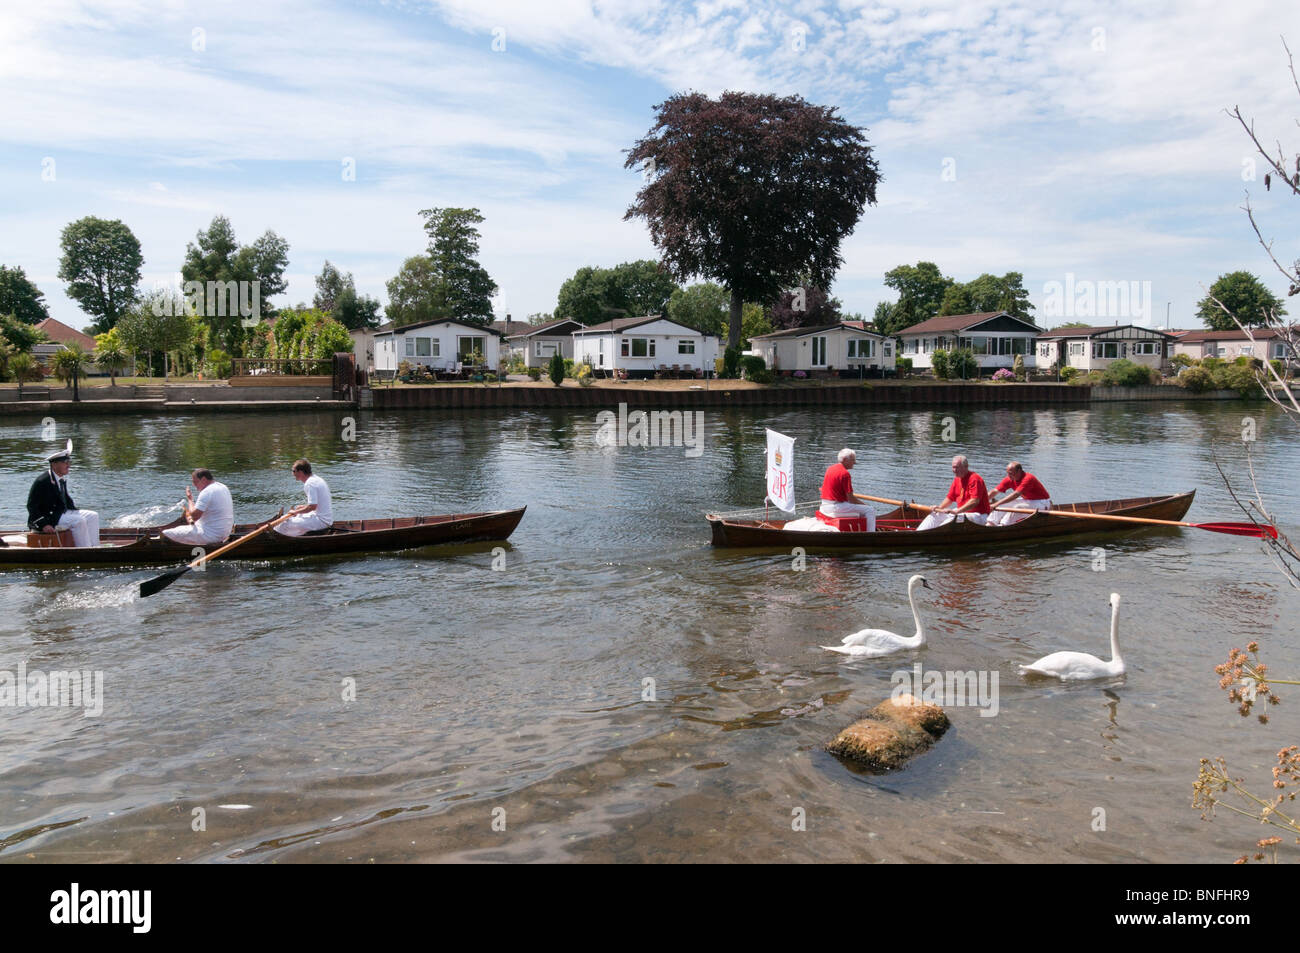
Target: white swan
871,642
1081,665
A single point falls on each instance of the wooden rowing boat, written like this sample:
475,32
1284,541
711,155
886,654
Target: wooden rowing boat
135,546
895,530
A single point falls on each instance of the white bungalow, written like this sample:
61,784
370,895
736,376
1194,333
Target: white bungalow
848,347
539,343
444,345
1095,348
640,347
996,338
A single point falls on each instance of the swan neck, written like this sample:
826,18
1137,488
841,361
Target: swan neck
916,616
1114,634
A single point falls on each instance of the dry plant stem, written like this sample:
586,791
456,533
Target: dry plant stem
1267,812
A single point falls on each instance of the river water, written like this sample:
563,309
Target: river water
616,689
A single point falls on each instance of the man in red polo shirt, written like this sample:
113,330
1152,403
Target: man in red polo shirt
1024,487
968,498
838,499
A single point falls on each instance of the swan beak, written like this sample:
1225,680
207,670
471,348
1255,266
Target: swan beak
926,584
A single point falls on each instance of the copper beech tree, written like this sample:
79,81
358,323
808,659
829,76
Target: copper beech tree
753,191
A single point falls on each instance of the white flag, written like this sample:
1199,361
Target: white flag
780,470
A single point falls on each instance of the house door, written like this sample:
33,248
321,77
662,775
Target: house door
819,352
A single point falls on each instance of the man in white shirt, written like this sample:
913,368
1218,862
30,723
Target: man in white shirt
316,513
211,517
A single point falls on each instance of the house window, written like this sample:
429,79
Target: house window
1076,349
423,347
547,348
889,349
1044,350
862,347
1279,349
819,352
466,346
909,346
1144,347
410,347
685,347
980,345
1020,346
1248,349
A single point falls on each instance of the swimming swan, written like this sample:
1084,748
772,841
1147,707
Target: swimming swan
871,642
1081,665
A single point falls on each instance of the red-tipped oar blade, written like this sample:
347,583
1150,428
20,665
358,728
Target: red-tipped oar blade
1258,530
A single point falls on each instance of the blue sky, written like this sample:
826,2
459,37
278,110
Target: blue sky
1079,138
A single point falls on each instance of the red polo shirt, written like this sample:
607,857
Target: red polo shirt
838,485
971,488
1029,488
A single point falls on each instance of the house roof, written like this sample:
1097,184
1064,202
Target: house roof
858,326
389,329
619,325
960,322
62,334
1096,330
1198,337
550,327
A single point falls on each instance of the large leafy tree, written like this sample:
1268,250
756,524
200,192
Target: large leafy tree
631,289
216,256
803,307
752,191
988,293
22,337
1245,296
415,294
467,289
101,264
336,294
702,306
920,288
20,297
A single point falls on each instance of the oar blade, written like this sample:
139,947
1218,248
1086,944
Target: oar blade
159,583
1257,530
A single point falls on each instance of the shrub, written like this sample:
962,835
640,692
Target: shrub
1242,379
800,375
219,363
1018,367
963,365
555,369
568,367
1124,373
1003,374
939,361
516,366
1196,379
582,374
730,361
903,365
1069,373
762,376
1182,360
752,365
404,369
535,373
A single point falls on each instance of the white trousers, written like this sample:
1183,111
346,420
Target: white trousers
301,524
84,525
938,519
848,511
192,535
1003,518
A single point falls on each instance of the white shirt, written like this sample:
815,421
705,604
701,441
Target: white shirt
318,492
218,508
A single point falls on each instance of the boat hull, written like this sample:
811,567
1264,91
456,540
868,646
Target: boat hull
953,535
140,546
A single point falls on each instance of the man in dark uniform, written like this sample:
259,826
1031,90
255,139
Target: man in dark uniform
50,507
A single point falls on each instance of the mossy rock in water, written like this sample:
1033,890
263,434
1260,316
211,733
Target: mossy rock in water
894,731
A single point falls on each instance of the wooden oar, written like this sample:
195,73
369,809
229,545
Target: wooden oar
1259,531
159,583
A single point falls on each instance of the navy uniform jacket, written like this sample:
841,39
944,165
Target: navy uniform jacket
47,502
